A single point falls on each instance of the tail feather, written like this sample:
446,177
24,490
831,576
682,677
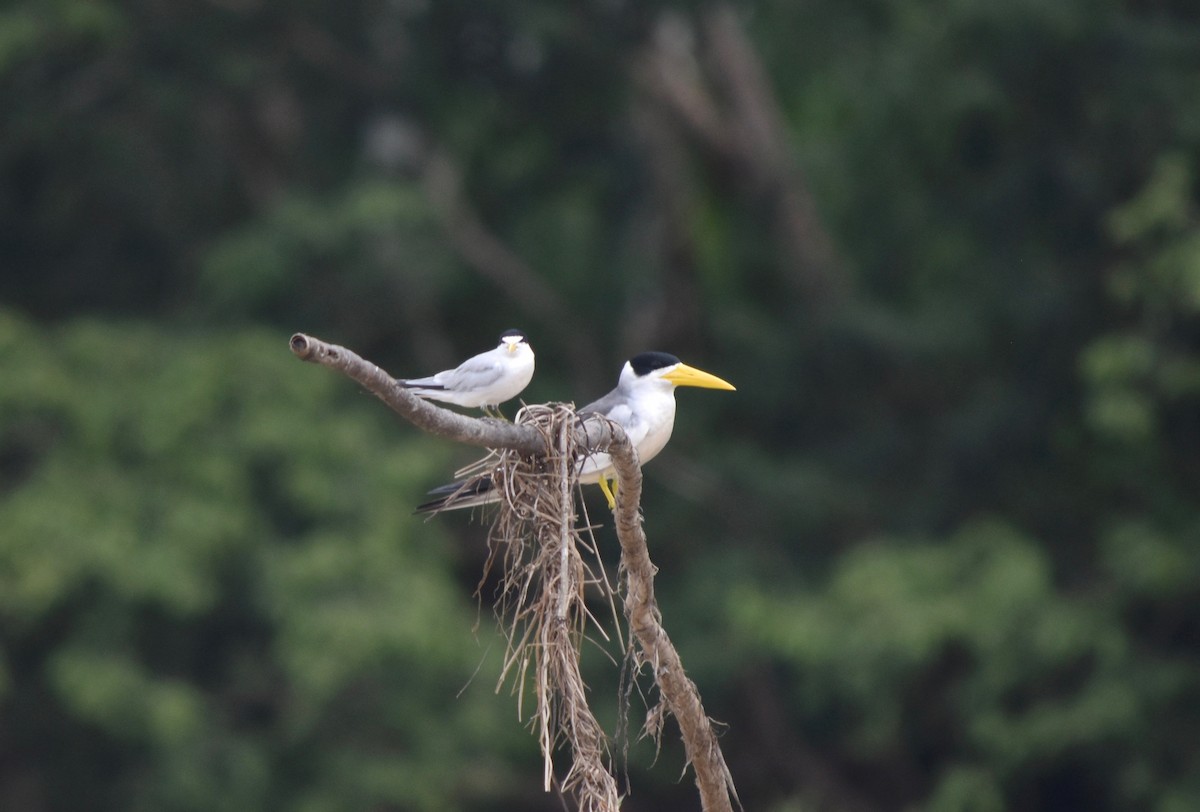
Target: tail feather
458,495
421,383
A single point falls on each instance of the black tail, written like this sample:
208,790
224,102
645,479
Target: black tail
456,495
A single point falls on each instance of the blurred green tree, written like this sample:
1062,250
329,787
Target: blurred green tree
211,594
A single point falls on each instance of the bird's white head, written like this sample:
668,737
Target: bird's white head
649,367
513,340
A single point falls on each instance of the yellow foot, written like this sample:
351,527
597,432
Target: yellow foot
610,493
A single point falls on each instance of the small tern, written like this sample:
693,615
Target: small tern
483,381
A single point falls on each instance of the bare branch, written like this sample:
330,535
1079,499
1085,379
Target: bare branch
683,699
562,576
479,432
485,432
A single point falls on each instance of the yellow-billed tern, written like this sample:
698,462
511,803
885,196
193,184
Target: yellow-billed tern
643,405
483,381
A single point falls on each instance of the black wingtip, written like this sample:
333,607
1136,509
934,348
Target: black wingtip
432,506
409,385
455,495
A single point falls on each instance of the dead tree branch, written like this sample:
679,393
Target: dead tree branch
564,584
645,621
478,432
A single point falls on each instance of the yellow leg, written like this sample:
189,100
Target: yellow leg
610,495
496,413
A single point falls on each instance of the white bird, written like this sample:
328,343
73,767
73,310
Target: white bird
483,381
643,405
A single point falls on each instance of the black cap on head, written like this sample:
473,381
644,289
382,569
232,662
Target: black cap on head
646,362
511,333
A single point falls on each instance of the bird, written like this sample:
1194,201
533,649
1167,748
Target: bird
643,405
482,381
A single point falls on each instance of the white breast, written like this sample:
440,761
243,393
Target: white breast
647,420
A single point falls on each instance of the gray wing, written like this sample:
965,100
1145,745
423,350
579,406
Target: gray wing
615,407
605,404
472,375
475,373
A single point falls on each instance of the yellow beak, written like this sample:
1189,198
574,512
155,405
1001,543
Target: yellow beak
684,375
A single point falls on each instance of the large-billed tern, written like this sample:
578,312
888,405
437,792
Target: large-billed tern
483,381
643,404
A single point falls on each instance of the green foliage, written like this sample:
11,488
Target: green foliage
377,239
1135,374
228,589
968,640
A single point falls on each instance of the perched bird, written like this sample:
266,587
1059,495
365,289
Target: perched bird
483,381
643,404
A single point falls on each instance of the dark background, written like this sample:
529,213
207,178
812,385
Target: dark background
940,551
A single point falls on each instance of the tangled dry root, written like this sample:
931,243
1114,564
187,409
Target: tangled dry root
544,577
